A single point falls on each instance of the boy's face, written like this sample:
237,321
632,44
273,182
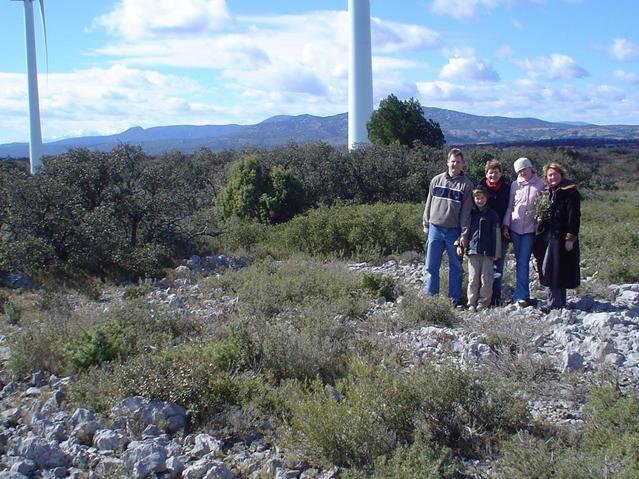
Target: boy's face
480,199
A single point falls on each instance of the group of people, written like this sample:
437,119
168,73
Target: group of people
540,216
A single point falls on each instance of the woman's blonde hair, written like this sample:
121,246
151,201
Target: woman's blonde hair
553,166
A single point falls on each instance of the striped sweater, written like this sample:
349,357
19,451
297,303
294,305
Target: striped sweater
449,202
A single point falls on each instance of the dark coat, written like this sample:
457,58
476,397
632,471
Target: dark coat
498,200
560,268
484,227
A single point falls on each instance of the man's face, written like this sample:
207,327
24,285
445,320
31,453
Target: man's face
455,164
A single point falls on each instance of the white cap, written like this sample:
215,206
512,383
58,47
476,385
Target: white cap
522,163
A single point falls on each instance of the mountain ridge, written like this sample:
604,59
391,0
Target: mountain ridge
459,128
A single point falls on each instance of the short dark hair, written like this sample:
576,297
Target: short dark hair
455,152
480,189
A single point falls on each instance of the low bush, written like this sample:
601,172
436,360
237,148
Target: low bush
373,410
187,375
304,344
605,448
418,310
361,232
268,287
379,285
61,341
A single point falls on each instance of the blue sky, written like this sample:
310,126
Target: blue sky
114,64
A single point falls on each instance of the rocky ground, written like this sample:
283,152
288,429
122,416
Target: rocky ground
39,437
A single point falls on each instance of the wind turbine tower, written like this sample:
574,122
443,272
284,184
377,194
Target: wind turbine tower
360,72
35,133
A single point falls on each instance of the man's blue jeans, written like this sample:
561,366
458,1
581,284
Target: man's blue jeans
440,239
522,245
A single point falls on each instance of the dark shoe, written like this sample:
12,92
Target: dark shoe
522,303
457,304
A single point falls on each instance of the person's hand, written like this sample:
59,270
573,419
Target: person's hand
425,230
570,245
460,251
506,232
463,241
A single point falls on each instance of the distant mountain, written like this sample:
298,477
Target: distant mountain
459,129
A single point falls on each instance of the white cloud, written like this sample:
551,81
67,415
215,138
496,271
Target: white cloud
391,37
624,50
442,91
461,9
555,67
138,19
626,77
535,98
469,68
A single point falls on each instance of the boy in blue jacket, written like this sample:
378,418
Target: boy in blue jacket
484,248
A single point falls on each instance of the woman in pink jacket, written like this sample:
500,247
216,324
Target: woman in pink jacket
520,224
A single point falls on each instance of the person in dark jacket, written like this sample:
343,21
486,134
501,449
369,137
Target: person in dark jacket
484,247
559,228
498,187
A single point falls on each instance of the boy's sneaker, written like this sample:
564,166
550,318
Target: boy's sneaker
457,304
472,308
522,303
480,307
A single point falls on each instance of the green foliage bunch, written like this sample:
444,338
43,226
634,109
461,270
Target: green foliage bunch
268,288
362,232
609,229
417,310
107,343
61,342
187,375
379,285
115,213
606,448
305,344
271,195
374,410
403,122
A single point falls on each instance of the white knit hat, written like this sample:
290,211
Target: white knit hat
522,163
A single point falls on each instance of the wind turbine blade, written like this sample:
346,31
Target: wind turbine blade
44,28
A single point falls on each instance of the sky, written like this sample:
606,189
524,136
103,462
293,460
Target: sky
115,64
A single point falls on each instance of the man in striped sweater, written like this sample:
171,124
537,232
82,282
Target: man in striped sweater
446,220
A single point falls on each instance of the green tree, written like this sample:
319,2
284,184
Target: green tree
403,122
271,195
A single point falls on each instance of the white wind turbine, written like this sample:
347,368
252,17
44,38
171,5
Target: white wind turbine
360,72
35,133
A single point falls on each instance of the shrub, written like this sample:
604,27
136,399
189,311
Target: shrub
419,460
354,425
271,195
107,343
63,340
379,285
418,310
362,232
304,344
267,288
12,312
187,375
37,348
607,446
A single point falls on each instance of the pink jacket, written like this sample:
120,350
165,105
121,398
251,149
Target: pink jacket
520,215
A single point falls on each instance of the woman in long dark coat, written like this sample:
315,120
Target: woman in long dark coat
560,229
